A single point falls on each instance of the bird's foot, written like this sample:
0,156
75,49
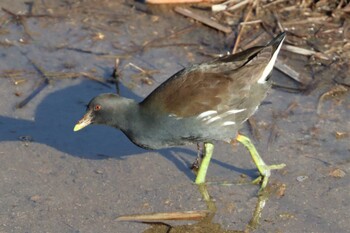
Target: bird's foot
265,173
264,169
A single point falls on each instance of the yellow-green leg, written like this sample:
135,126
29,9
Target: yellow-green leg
202,172
264,169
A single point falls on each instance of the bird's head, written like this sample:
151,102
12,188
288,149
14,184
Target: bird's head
102,109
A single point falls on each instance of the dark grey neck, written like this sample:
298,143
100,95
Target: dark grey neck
124,115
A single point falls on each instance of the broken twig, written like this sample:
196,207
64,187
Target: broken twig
335,90
290,72
156,217
202,19
238,39
305,52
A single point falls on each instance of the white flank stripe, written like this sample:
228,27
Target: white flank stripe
175,116
232,111
213,119
269,66
207,113
228,123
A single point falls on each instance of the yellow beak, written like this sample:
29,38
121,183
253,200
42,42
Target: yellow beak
85,121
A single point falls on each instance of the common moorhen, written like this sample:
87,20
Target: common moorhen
201,103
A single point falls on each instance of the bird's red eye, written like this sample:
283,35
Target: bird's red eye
97,107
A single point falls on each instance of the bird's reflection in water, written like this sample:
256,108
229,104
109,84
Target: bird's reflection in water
160,221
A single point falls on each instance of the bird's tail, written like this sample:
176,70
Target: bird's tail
276,44
277,41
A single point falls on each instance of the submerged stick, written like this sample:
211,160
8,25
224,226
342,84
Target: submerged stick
42,84
40,87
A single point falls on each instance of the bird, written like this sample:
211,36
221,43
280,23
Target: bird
201,103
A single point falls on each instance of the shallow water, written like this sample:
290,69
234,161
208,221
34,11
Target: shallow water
55,180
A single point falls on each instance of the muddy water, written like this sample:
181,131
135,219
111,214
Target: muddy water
54,180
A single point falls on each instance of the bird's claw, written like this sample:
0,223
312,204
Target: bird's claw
265,173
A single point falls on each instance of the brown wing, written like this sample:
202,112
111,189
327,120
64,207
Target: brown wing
220,85
195,92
